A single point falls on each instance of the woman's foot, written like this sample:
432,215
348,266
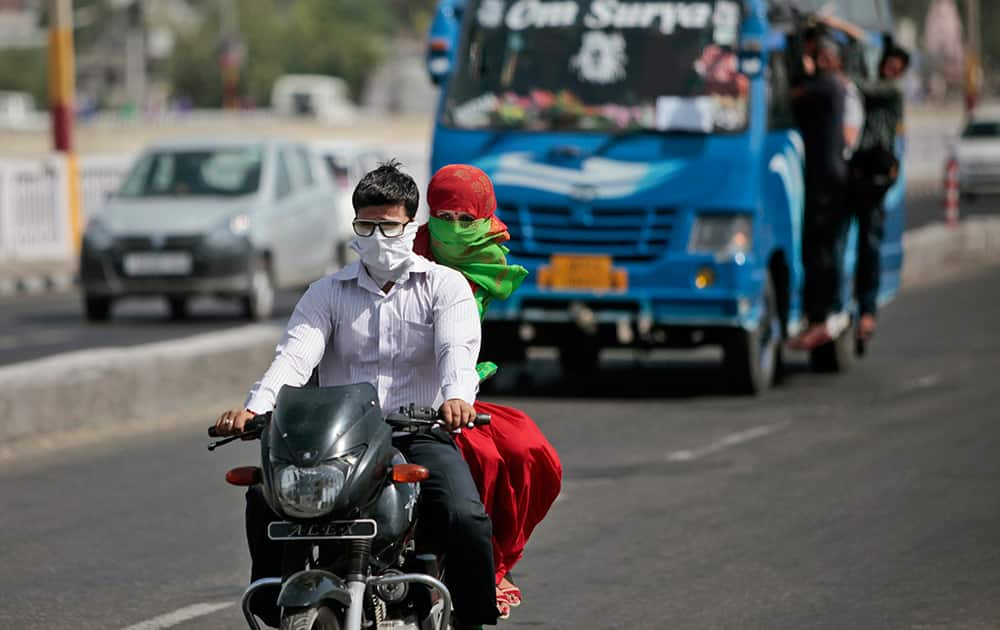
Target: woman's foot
503,606
510,591
866,327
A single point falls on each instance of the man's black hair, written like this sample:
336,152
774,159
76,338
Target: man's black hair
898,52
387,186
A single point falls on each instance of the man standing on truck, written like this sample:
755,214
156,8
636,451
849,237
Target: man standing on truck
822,105
873,170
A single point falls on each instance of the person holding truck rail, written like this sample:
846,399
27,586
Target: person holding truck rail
828,109
873,170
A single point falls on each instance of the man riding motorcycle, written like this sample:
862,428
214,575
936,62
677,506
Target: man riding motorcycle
411,328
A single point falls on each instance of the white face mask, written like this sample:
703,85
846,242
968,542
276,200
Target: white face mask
387,259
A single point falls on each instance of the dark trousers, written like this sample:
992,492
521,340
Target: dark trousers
451,522
869,182
824,233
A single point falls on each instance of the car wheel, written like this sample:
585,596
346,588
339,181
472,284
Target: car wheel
96,308
258,303
178,307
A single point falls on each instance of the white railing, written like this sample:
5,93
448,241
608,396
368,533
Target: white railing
34,204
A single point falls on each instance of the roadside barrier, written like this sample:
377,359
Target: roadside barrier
34,207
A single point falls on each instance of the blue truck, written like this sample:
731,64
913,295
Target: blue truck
649,168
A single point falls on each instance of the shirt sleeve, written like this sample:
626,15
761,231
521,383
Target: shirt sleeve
299,351
457,337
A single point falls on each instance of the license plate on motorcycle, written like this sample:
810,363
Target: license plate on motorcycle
333,530
580,271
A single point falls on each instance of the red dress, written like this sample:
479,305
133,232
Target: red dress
515,468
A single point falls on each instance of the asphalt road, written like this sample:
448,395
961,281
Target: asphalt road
37,326
867,500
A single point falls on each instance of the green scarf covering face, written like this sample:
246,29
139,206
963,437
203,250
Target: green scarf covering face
470,247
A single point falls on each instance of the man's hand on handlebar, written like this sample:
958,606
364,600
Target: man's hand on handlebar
232,422
457,413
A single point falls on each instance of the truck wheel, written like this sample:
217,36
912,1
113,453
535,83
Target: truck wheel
96,308
580,357
258,304
836,356
321,618
752,358
502,343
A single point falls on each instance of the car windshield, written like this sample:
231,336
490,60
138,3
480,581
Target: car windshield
982,129
601,65
224,172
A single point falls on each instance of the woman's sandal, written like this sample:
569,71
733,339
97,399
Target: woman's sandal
510,591
503,606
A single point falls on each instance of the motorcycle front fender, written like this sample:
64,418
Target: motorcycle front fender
311,588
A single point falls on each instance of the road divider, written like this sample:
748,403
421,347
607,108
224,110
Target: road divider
94,390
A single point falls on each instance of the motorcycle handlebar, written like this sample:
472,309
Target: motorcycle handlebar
253,425
412,418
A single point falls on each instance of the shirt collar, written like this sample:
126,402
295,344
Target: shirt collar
354,271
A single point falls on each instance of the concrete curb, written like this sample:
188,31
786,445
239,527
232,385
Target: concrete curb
90,389
936,251
93,391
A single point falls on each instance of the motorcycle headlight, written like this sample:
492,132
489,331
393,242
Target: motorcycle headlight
311,492
724,235
97,235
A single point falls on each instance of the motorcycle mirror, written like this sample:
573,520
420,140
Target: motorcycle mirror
244,476
409,473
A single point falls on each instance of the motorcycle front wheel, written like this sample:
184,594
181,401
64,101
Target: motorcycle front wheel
321,618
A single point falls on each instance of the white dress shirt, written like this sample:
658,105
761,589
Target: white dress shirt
418,343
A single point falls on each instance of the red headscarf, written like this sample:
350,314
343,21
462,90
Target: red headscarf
461,188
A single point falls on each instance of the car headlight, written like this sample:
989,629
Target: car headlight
311,492
231,233
725,235
97,235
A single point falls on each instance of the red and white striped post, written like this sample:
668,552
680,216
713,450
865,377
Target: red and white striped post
61,103
951,193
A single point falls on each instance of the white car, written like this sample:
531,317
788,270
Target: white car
978,154
230,218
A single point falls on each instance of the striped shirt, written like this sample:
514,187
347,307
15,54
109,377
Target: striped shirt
416,344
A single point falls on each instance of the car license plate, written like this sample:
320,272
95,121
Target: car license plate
580,271
333,530
158,264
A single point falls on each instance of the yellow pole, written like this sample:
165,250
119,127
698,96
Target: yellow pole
61,104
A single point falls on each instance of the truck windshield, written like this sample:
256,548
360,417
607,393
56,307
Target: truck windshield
599,65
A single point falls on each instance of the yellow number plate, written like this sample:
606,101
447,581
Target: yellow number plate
579,271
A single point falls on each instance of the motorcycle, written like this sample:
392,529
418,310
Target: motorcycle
348,501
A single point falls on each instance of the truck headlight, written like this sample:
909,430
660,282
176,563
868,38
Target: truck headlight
311,492
97,235
724,235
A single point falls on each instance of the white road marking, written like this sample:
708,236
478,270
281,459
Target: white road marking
733,439
930,380
179,616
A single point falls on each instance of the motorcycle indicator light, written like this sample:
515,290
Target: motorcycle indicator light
244,476
409,473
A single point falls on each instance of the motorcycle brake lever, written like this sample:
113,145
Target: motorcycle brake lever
214,445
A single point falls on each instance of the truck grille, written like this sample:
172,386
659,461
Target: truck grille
627,234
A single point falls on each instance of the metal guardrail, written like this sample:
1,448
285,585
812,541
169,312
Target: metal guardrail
34,204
